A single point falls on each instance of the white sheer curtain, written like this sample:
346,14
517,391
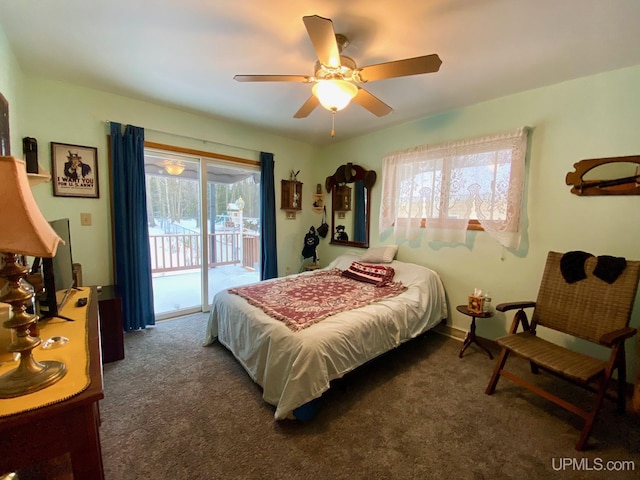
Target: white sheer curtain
440,187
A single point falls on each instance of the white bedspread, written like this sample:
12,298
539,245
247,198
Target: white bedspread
293,368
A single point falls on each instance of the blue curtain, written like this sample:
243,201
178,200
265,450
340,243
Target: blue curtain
360,213
268,251
131,233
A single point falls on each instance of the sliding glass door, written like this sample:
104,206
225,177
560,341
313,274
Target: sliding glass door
199,208
233,240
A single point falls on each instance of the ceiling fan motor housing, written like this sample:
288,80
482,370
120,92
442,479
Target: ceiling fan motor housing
344,72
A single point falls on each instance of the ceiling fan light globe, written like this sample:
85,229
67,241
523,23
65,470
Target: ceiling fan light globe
334,94
173,167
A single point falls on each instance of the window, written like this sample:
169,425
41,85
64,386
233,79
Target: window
448,188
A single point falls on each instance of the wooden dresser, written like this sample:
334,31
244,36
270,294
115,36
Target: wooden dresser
62,440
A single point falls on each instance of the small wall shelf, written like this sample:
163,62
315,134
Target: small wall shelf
291,199
38,178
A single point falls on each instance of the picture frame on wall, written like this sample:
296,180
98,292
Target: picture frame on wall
74,170
5,139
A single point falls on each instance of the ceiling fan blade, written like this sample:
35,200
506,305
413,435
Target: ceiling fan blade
307,108
372,103
323,38
273,78
400,68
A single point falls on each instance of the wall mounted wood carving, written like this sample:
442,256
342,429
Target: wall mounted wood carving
606,176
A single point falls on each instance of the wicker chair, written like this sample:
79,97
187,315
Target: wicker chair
589,308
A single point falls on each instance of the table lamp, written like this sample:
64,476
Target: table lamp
25,231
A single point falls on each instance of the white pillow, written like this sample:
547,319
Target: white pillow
380,254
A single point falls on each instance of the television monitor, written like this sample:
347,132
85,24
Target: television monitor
57,273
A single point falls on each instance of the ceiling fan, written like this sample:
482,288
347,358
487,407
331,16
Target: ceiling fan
336,77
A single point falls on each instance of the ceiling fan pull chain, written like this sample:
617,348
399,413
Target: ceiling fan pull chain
333,123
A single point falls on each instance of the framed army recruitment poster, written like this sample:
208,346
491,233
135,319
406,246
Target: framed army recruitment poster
74,170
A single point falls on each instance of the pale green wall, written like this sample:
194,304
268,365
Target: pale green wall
592,117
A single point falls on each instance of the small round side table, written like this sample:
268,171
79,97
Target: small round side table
471,334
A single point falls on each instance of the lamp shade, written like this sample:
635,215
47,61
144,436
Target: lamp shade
25,231
334,94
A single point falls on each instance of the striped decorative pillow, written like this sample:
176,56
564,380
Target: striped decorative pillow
379,275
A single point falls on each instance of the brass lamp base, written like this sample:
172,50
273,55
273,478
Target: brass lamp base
30,375
22,380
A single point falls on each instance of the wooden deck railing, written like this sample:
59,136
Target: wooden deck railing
175,252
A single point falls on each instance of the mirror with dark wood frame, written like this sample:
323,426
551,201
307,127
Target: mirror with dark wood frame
350,188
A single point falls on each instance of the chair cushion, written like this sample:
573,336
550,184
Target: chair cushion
553,357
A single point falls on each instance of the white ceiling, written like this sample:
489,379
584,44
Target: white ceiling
184,53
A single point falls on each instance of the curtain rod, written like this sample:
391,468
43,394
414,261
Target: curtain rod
194,138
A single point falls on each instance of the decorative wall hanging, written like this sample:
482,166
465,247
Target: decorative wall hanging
606,176
318,200
5,138
74,170
291,197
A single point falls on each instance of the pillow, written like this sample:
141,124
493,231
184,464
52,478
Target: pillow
380,254
379,275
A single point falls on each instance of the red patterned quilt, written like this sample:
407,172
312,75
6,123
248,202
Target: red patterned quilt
304,300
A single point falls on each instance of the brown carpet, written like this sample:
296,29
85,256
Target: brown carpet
176,410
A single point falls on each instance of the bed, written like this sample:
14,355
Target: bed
296,367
